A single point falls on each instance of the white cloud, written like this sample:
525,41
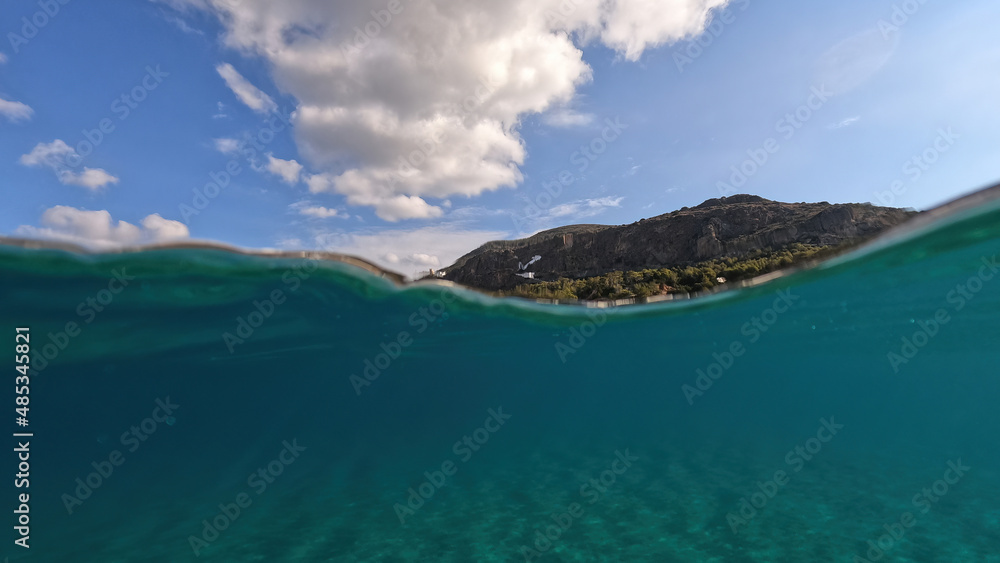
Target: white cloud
183,25
316,211
15,111
412,249
632,26
844,123
420,259
321,212
3,58
158,229
220,111
564,117
90,178
51,154
405,207
227,146
249,94
288,170
387,207
584,208
96,229
430,105
58,156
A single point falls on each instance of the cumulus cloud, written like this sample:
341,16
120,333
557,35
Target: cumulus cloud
90,178
288,170
158,229
405,207
247,93
96,229
387,207
428,105
51,154
321,212
316,211
15,111
58,156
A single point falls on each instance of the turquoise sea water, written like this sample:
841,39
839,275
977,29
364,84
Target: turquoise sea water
349,420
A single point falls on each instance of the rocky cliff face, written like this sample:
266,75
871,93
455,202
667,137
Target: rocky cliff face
722,227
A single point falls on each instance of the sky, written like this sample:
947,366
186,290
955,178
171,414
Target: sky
408,132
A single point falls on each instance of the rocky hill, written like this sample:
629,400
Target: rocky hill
723,227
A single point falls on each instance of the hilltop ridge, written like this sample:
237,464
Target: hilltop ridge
723,227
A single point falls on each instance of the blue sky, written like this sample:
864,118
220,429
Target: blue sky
889,95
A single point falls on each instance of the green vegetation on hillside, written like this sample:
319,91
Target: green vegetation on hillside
689,279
